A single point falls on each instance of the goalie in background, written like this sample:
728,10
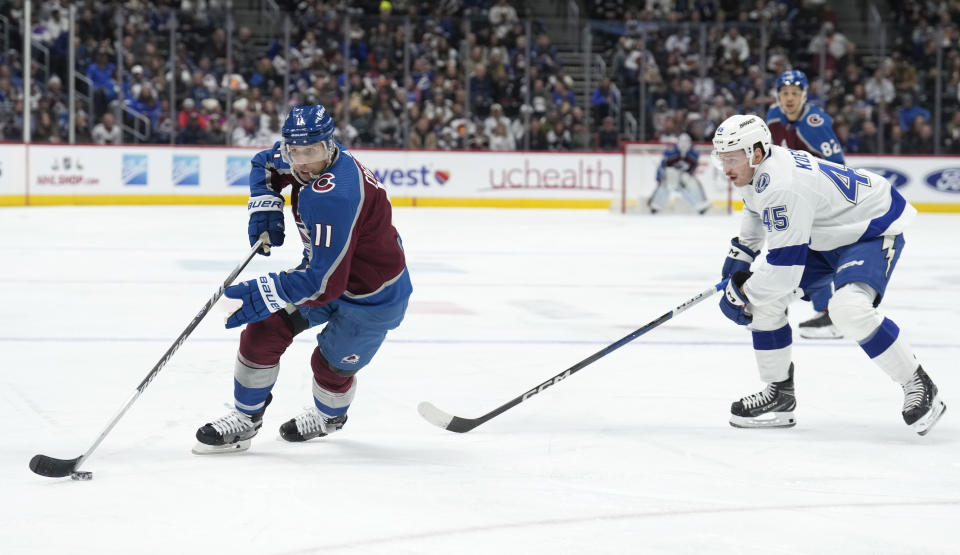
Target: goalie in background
677,173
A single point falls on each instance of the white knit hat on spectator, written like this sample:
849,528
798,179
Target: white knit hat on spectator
137,69
210,82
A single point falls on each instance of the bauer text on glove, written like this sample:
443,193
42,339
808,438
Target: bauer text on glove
261,297
266,215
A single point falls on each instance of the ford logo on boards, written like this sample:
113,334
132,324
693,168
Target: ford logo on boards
947,180
896,178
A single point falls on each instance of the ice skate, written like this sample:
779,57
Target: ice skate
770,408
230,433
311,424
922,406
820,327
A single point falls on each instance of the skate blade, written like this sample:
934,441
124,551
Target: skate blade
769,420
204,449
927,421
828,332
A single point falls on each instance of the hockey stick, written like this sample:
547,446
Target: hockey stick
59,468
458,424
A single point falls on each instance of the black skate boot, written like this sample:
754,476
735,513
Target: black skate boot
922,406
312,423
820,327
770,408
230,433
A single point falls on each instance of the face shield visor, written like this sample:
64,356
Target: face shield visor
729,160
307,161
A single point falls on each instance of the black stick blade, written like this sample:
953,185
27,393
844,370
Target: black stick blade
53,468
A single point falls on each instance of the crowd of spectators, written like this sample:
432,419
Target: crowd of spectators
455,74
694,77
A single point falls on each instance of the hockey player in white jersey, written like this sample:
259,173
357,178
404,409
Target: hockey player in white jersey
817,218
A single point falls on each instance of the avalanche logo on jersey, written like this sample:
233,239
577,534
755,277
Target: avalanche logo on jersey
814,120
324,183
350,359
762,182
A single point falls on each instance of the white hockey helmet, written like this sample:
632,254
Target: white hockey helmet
741,132
684,142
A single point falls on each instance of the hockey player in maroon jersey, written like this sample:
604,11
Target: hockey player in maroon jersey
353,279
797,124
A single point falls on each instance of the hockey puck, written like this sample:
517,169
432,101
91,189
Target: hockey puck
82,475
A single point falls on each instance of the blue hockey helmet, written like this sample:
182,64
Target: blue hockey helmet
794,77
305,126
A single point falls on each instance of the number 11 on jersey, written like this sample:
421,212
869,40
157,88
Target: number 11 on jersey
323,235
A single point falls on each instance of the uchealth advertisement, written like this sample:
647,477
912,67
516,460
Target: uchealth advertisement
86,174
495,175
59,174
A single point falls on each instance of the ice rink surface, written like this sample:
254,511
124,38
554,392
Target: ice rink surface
633,454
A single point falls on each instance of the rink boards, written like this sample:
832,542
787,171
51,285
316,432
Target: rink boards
137,174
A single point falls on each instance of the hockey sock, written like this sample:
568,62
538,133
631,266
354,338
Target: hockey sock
252,383
773,350
332,393
890,352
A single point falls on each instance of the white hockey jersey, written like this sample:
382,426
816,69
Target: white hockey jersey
797,200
